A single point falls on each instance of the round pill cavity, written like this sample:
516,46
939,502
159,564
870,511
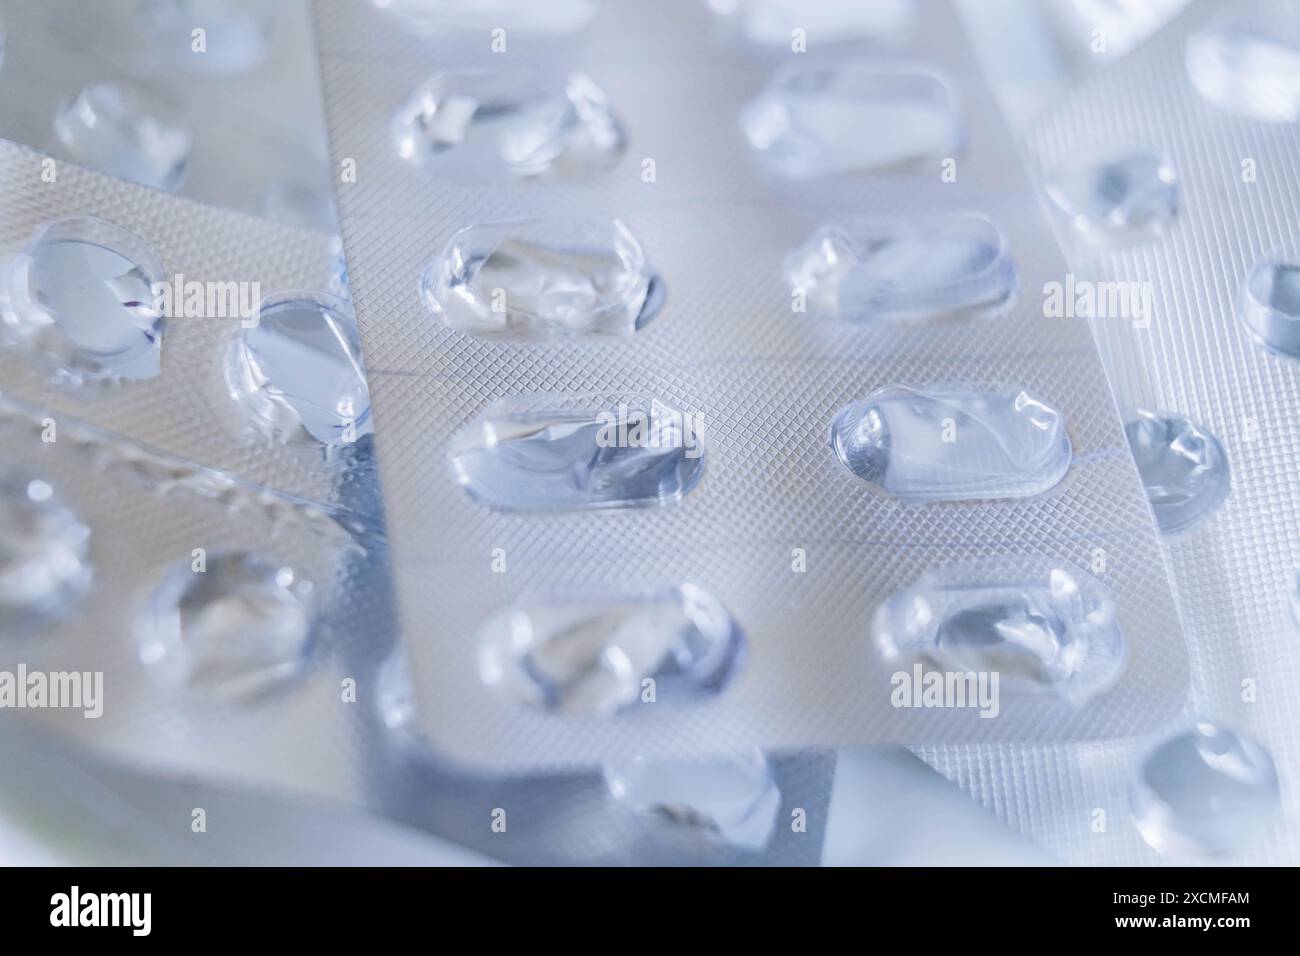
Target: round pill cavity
299,372
1183,468
81,297
228,625
1269,305
44,556
1206,790
1119,198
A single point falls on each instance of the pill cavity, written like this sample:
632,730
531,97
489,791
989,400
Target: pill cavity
951,442
734,800
543,277
889,269
227,625
818,120
236,36
1118,198
477,124
122,132
298,371
557,455
1269,304
432,18
1042,625
1183,468
1206,790
596,657
774,22
81,297
1247,61
44,556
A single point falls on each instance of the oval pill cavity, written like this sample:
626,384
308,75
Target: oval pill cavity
1183,468
890,269
773,22
237,34
733,800
1205,790
120,131
81,299
592,658
1247,61
236,628
434,18
1041,625
541,278
476,125
952,442
855,116
540,454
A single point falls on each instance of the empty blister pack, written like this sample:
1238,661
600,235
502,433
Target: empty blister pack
1171,181
204,334
193,608
181,622
679,377
178,560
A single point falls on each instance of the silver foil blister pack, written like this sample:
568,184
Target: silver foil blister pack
1173,173
189,538
186,399
520,509
154,536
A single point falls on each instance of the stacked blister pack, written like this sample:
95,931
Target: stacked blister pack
715,404
1171,177
194,580
733,396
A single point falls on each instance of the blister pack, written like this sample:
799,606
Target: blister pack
1171,176
194,580
199,313
708,422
